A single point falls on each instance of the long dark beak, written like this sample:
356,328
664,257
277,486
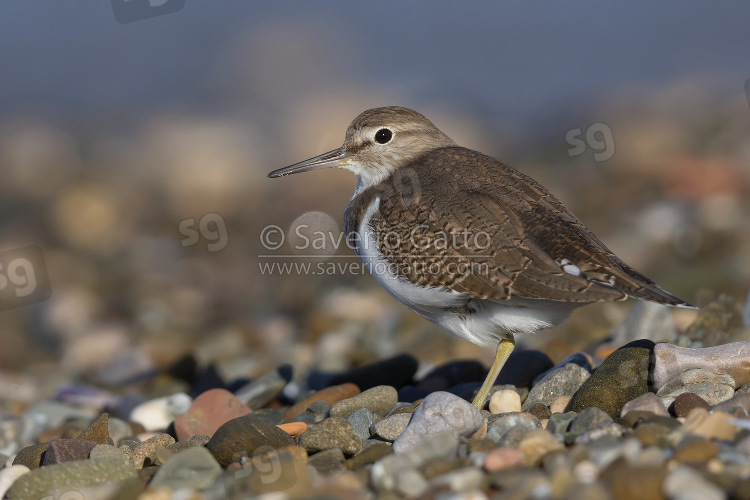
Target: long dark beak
333,158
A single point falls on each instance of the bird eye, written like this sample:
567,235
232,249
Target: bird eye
383,135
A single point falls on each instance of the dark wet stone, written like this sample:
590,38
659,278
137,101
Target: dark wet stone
523,367
333,432
685,402
328,461
623,376
66,450
70,476
98,431
410,394
243,436
31,456
396,372
273,417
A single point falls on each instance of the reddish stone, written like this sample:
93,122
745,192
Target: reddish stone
502,458
330,395
209,411
67,450
686,402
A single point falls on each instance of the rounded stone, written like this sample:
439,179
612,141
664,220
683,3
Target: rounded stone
622,377
379,400
645,402
695,452
686,402
330,395
505,402
209,411
502,458
540,411
243,437
390,428
332,432
193,468
563,381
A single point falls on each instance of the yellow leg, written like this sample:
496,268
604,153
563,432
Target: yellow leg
504,348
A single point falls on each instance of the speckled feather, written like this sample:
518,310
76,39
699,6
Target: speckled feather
452,189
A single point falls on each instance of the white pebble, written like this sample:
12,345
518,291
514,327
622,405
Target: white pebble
505,401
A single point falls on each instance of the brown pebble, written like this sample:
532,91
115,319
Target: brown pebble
710,425
695,452
540,411
31,456
685,402
66,450
330,395
98,431
634,482
145,453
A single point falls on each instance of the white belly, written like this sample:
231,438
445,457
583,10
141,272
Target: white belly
485,321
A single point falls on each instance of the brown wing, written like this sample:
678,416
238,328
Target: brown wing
459,220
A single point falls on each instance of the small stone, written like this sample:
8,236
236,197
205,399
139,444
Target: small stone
328,461
559,404
70,476
622,377
410,483
502,458
563,381
439,412
243,437
502,426
686,402
715,322
209,411
333,432
390,428
273,417
540,411
66,450
589,419
199,440
713,388
536,444
559,423
315,413
369,455
581,359
633,481
738,405
695,452
645,402
107,452
98,431
294,429
730,359
463,479
9,475
361,420
710,425
157,414
523,367
331,395
505,402
652,434
31,456
144,454
266,389
379,400
396,372
193,468
688,484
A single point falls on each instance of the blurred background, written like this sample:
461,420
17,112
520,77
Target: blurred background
134,155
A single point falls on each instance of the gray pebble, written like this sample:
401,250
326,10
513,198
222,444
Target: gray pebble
361,420
390,428
379,400
563,381
500,427
712,387
439,412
